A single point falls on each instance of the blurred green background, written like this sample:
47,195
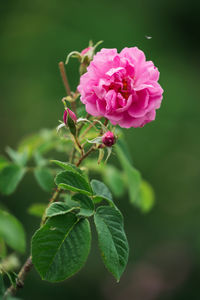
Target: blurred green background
164,244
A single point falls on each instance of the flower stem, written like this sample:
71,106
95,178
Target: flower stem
66,83
93,148
79,145
53,199
12,290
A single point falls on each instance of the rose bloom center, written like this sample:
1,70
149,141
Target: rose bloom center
124,87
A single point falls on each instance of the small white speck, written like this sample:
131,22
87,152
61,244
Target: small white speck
53,228
148,37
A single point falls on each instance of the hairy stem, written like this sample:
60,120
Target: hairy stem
66,83
12,290
93,148
53,198
79,145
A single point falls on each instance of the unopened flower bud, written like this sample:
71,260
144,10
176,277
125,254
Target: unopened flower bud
71,114
108,139
87,51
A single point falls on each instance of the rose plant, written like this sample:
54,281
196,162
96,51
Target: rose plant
115,91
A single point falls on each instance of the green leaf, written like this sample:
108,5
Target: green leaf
61,247
19,158
73,182
58,208
100,190
114,179
10,177
146,198
2,248
34,142
67,166
37,209
121,144
112,239
40,160
44,178
133,176
85,203
12,231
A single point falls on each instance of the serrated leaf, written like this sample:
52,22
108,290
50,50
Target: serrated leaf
101,191
10,176
44,178
37,209
67,166
112,239
58,208
12,231
73,182
61,247
85,203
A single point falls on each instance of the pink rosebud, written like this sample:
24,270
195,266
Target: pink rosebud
122,87
86,50
108,139
71,114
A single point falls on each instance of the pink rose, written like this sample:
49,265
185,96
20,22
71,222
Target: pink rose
121,87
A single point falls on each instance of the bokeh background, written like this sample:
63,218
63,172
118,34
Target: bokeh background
165,243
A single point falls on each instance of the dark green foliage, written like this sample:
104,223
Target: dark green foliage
61,247
112,239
